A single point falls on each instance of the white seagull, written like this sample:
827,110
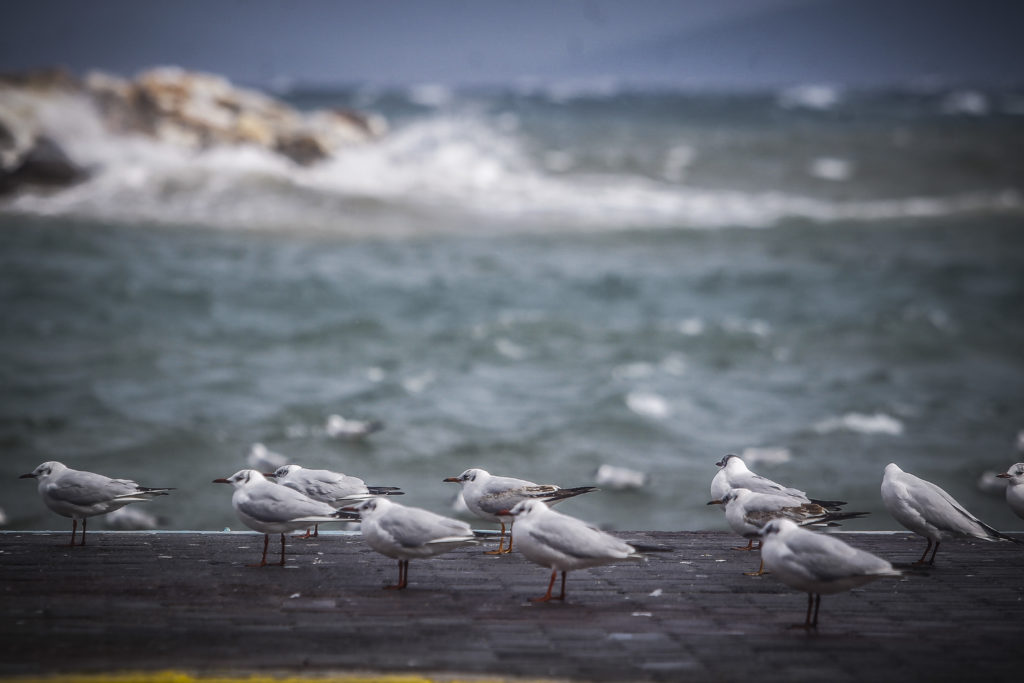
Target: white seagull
1015,488
563,543
80,495
334,488
736,475
817,563
407,533
487,496
748,512
270,509
928,511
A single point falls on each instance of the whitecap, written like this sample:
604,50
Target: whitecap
429,94
619,478
818,96
831,168
509,349
878,423
966,103
766,455
648,404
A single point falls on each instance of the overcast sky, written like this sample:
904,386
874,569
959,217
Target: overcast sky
460,41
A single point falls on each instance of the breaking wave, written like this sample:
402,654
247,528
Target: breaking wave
448,169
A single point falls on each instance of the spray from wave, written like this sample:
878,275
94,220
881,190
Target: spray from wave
452,167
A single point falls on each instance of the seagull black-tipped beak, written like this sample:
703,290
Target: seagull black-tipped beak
454,480
30,475
271,475
714,502
221,481
1004,475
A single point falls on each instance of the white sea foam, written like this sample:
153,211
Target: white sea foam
878,423
766,455
818,96
648,404
428,174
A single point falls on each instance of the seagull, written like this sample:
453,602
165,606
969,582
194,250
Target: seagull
1015,488
928,511
80,495
407,533
487,496
338,427
563,543
269,508
748,512
735,474
334,488
817,563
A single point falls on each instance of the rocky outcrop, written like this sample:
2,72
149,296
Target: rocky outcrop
193,110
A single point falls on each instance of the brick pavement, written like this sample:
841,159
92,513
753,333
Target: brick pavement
186,601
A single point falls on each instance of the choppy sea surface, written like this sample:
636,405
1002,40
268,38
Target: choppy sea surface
536,282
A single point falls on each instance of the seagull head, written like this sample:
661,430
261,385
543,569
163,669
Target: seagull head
1015,472
44,471
469,475
283,471
732,461
730,496
241,478
777,526
369,507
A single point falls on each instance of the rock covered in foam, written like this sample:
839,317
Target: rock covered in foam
174,106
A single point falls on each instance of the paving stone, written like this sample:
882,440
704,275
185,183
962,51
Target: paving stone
143,600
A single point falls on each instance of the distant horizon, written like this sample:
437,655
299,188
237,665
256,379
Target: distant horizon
730,46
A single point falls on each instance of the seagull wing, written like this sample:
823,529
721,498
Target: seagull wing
412,527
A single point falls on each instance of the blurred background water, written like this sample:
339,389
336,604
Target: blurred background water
536,281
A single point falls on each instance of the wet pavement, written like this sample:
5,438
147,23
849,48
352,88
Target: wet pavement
142,601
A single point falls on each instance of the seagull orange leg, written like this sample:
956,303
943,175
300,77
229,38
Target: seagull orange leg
925,553
266,542
510,525
551,584
748,546
501,543
403,576
760,570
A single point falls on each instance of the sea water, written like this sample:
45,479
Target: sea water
538,282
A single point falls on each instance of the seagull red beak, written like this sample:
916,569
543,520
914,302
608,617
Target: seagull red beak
221,481
714,502
1004,475
32,476
452,479
269,474
504,513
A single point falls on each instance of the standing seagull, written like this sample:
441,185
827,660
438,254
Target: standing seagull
735,475
817,563
928,511
407,533
1015,488
271,509
80,495
334,488
564,543
487,496
748,512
